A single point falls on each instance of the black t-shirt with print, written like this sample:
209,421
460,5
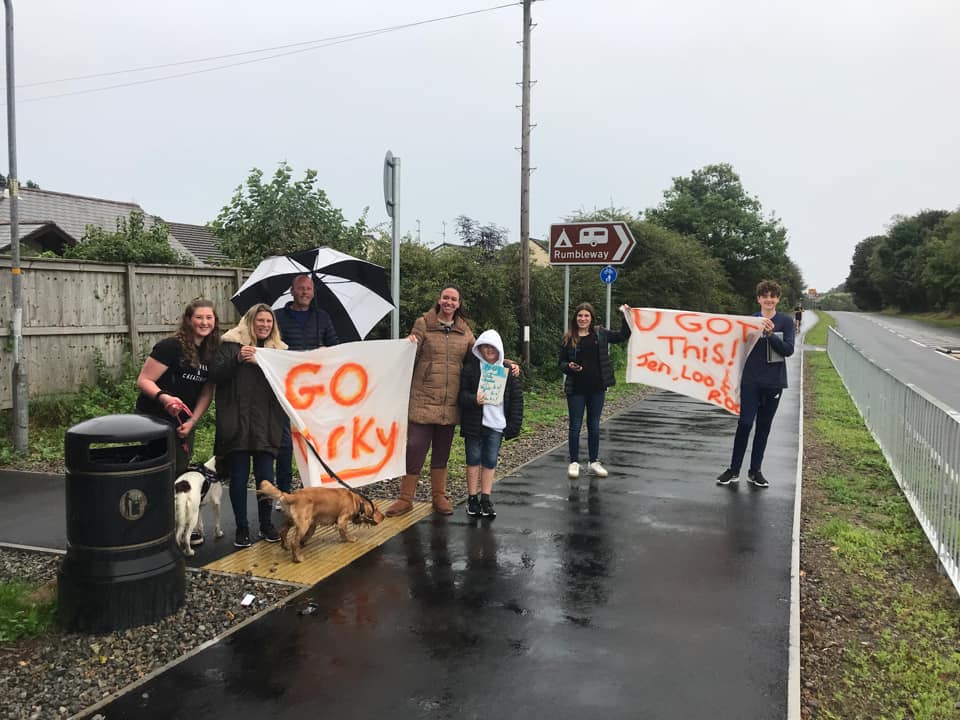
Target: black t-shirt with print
179,379
587,356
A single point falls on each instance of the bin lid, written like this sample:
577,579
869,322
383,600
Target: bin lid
119,429
128,443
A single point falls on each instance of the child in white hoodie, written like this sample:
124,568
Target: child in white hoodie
483,424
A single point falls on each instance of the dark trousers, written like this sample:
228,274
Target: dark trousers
285,459
760,405
576,404
420,438
238,463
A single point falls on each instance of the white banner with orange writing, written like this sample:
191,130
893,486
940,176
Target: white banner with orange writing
700,355
350,403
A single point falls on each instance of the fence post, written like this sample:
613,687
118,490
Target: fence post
132,330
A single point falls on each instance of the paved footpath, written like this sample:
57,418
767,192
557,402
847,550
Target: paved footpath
650,594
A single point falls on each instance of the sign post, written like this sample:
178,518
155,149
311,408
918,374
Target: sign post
590,243
607,276
391,197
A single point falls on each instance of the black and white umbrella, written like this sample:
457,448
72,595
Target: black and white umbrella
354,292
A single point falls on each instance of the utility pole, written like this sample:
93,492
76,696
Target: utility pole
418,231
21,399
525,185
443,232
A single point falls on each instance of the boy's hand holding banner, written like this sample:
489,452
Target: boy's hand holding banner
697,354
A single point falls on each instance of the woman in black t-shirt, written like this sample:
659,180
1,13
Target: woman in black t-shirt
173,382
585,360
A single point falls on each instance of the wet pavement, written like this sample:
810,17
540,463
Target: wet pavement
652,593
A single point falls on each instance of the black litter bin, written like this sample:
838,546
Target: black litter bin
122,566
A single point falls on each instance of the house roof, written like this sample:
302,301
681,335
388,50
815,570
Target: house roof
69,215
449,246
199,241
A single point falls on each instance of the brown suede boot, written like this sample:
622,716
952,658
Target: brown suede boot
438,486
408,488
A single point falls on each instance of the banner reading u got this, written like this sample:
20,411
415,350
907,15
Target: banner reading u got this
349,402
700,355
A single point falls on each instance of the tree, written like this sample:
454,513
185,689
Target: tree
712,206
28,184
281,217
898,259
859,282
488,238
132,242
941,270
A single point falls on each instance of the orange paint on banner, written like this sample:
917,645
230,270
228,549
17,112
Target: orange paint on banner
302,439
359,441
332,440
637,314
338,378
389,443
302,397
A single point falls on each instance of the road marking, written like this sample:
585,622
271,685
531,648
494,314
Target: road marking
917,342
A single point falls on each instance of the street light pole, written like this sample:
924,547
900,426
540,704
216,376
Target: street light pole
20,395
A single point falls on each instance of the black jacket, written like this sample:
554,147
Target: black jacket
249,417
318,331
471,414
604,338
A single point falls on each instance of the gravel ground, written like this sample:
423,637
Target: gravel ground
60,675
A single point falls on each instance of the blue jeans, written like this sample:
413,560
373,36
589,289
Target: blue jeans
483,449
238,463
593,403
758,404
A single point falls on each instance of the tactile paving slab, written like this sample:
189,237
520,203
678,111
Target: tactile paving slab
323,555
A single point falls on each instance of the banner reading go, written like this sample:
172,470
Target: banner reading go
349,402
697,354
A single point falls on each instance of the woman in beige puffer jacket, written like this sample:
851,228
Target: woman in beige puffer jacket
443,341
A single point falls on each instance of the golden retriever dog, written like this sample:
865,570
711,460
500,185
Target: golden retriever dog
309,507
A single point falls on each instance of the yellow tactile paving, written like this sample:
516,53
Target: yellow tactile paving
323,555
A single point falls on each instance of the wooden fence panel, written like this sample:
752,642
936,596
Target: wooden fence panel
75,311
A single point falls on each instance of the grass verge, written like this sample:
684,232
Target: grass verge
26,611
879,625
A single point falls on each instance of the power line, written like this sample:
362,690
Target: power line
318,44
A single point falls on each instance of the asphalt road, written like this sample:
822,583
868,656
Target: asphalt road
907,348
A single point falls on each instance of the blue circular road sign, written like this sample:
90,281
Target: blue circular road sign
608,275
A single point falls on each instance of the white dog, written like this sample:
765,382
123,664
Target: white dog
188,497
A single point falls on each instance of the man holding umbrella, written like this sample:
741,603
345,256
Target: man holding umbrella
354,294
303,326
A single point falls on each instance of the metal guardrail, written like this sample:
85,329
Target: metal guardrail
920,438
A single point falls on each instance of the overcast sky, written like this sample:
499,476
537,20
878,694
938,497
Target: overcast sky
837,114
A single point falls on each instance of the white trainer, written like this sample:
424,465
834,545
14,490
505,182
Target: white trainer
597,469
573,471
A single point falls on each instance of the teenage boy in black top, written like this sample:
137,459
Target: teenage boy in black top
763,381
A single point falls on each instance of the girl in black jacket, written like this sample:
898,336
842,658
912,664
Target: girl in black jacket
585,360
483,423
